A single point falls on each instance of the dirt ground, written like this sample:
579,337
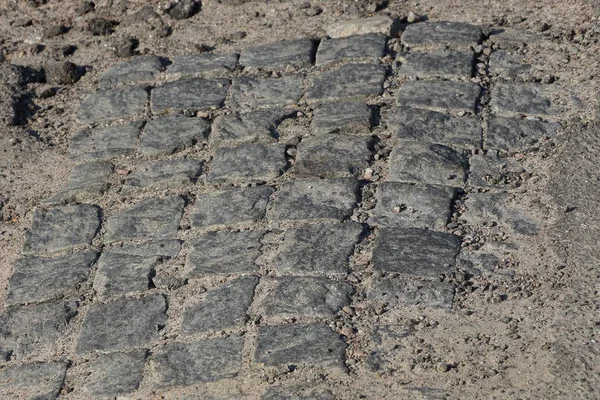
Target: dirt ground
540,342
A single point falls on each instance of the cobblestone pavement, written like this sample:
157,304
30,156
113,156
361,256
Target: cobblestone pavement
231,217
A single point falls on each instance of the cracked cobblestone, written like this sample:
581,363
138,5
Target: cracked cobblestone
258,126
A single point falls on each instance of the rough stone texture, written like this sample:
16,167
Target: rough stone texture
510,38
412,206
489,170
231,206
296,393
160,175
249,163
415,124
398,293
105,143
150,219
301,345
442,96
86,181
443,33
137,70
201,361
378,24
113,104
266,92
155,248
191,94
515,99
513,135
194,65
62,228
318,249
342,117
116,374
306,296
297,53
38,279
224,307
119,274
370,47
333,155
122,324
224,253
315,199
357,81
447,65
509,66
426,163
418,252
37,381
172,133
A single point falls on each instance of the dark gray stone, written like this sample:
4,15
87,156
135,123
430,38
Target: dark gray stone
514,135
297,53
169,134
194,65
398,293
154,248
116,374
119,274
442,33
418,252
36,381
266,92
442,96
39,279
509,66
248,163
511,38
140,69
342,117
489,171
191,94
224,253
62,228
516,99
148,219
369,47
105,143
224,307
446,65
113,104
183,9
301,345
86,181
160,175
231,206
315,199
318,249
296,393
122,324
357,81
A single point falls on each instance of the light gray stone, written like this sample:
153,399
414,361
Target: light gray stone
154,248
160,175
120,274
353,81
514,135
248,163
139,69
105,143
172,133
195,65
491,171
191,94
346,117
297,53
381,24
266,92
446,65
440,96
441,33
116,374
370,47
510,38
516,99
508,65
86,182
113,104
398,293
37,381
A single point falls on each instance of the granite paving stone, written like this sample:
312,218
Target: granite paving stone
172,133
113,104
165,249
370,47
300,392
190,94
398,293
122,324
441,33
105,143
353,81
517,134
446,65
516,99
297,53
513,38
38,380
418,252
266,92
491,171
139,69
224,307
86,182
346,117
160,175
508,65
116,374
195,65
62,228
440,96
120,274
381,24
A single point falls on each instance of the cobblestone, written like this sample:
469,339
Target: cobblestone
297,53
116,374
250,163
143,69
443,33
440,96
120,274
191,94
86,182
397,293
154,248
342,117
492,171
33,381
508,65
196,65
172,133
113,104
513,135
510,99
159,175
494,207
370,47
447,65
378,24
266,92
105,143
353,81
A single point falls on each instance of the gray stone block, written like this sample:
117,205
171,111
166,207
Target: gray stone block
248,163
154,248
116,374
122,324
231,206
297,53
37,381
514,135
113,104
224,307
315,199
266,92
86,181
191,94
120,274
62,228
491,171
441,96
516,99
39,279
105,143
224,253
446,65
318,249
370,47
442,33
139,69
148,219
398,293
356,81
427,163
172,133
342,117
194,65
509,66
418,252
160,175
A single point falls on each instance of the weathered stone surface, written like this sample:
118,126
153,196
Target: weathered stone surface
306,345
116,374
224,253
370,47
315,199
417,252
38,381
224,307
381,24
306,296
113,104
510,38
202,361
515,99
490,170
513,135
191,94
86,181
447,65
154,248
105,143
442,96
194,65
412,206
62,228
266,92
121,274
159,175
296,393
442,33
137,70
357,81
343,117
169,134
249,163
318,249
151,219
333,155
414,124
508,65
398,292
38,279
122,324
231,206
427,163
298,53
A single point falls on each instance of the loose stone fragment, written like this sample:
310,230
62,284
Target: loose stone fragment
224,307
169,134
151,219
357,81
418,252
266,92
510,66
441,96
113,104
426,163
231,206
38,279
381,24
301,345
39,381
343,117
182,9
297,53
121,274
86,181
443,33
202,361
249,163
139,69
370,47
159,175
155,248
513,135
297,393
398,293
116,374
105,143
62,228
510,99
61,73
191,94
224,253
447,65
122,324
489,170
194,65
413,206
315,199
